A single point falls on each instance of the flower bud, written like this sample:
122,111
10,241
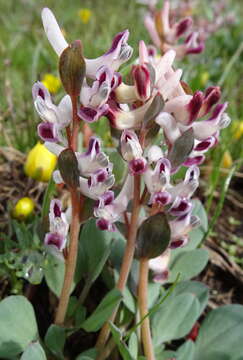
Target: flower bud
153,237
72,68
141,76
40,163
68,166
23,208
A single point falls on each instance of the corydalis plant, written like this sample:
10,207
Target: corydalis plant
161,129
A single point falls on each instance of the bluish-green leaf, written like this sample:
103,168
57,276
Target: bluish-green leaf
189,264
18,326
103,311
55,340
221,335
175,318
34,352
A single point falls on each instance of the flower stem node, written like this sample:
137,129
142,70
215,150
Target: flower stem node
72,68
68,166
153,237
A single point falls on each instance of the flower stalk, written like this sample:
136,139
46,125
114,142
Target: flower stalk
143,308
127,260
71,260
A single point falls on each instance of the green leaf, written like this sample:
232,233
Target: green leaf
89,354
181,148
221,335
120,169
153,293
153,237
123,349
133,345
196,288
103,311
175,318
54,274
189,264
186,351
34,352
95,247
18,326
55,340
51,188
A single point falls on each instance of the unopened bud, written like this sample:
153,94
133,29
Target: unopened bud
72,68
68,166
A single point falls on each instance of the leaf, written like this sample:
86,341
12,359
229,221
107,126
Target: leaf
55,340
181,148
103,311
175,318
18,326
95,247
221,335
189,264
120,168
153,293
123,349
186,351
196,288
153,237
89,354
54,274
34,352
133,345
154,110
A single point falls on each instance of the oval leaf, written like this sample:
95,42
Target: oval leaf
18,326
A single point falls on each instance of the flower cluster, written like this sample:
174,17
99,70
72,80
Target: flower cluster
162,128
166,36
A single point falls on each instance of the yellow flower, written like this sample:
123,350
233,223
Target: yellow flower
238,130
51,82
23,209
85,15
204,78
227,160
40,163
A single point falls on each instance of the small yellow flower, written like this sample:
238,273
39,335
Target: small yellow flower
85,15
238,130
51,82
227,160
204,78
23,208
40,163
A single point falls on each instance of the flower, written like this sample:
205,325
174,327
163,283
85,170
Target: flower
118,53
227,160
238,130
54,118
23,208
51,82
40,163
85,15
56,239
165,35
